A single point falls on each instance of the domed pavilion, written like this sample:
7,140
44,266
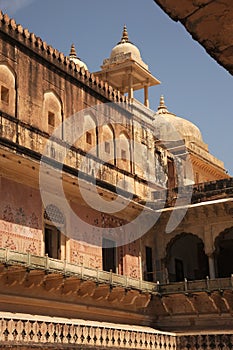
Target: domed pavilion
125,70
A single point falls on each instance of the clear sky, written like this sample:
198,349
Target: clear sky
194,85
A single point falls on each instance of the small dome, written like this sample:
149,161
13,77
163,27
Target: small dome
125,47
187,130
73,57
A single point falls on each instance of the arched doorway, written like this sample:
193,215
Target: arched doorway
186,258
224,253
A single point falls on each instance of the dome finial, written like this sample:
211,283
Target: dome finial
162,108
125,37
73,53
162,104
74,58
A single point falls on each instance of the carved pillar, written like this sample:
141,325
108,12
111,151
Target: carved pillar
140,260
211,266
209,249
130,91
146,98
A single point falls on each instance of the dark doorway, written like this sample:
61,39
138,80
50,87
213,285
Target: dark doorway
52,242
224,253
149,265
109,255
186,258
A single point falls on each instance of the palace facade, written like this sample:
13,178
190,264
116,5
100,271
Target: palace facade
116,221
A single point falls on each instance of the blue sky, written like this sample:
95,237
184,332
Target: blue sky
194,85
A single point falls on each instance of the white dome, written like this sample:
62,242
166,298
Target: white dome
73,57
125,47
186,129
80,63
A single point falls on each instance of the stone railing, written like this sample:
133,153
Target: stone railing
50,265
31,261
40,330
207,285
213,341
206,190
202,192
29,330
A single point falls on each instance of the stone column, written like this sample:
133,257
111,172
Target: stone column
130,91
146,98
140,260
209,249
211,266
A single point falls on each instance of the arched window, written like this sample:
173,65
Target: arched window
123,152
52,112
107,144
7,90
90,137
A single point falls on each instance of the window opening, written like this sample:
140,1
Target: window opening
51,119
149,264
123,154
53,242
107,147
88,138
4,94
109,255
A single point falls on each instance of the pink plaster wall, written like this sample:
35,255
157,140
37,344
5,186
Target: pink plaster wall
20,217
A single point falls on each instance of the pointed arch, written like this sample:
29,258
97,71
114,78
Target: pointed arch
186,258
52,111
224,253
123,151
90,134
107,147
7,89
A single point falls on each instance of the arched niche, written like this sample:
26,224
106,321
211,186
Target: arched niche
52,112
7,90
224,253
186,258
123,152
107,144
89,139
